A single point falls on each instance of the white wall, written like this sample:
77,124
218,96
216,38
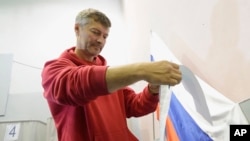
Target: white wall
211,38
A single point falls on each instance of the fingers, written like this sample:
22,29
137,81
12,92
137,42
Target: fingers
164,73
173,82
175,76
176,66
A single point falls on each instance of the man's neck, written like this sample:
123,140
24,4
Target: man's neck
80,54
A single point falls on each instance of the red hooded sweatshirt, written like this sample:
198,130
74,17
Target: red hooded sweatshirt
82,107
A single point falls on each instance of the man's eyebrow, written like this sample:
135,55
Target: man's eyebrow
95,29
99,31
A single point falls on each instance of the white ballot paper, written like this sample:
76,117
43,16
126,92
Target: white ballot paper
165,96
191,84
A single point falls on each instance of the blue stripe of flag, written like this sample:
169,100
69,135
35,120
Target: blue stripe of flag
185,127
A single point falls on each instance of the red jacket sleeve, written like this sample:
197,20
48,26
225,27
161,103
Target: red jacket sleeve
66,83
139,104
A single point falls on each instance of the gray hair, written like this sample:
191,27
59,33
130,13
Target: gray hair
88,15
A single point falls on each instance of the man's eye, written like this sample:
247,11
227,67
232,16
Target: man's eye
95,32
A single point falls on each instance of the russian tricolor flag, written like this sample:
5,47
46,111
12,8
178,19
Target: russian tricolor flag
185,120
180,126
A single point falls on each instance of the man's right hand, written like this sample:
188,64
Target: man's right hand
163,73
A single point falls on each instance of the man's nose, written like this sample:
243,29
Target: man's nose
100,40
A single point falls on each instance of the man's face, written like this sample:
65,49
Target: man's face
91,38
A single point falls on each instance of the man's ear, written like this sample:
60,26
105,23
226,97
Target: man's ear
77,28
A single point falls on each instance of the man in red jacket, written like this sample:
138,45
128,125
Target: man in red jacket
90,101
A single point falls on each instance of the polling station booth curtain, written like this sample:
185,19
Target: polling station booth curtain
51,134
22,131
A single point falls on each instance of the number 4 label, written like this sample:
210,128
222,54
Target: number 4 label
12,132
